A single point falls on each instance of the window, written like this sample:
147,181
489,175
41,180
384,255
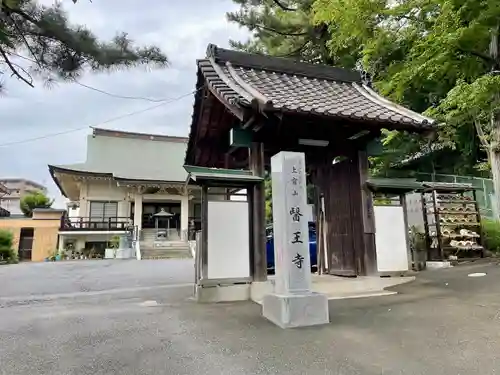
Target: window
103,210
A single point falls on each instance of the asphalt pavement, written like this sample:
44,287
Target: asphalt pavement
129,317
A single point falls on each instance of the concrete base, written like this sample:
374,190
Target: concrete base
109,254
438,265
125,253
222,293
291,311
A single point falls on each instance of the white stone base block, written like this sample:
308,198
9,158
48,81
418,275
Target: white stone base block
291,311
438,265
222,293
259,289
124,253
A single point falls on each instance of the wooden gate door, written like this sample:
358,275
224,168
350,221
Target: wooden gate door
335,183
25,244
349,223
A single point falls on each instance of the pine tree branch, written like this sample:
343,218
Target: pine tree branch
284,7
22,14
13,68
270,29
21,33
295,51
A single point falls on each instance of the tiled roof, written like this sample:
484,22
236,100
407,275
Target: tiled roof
277,84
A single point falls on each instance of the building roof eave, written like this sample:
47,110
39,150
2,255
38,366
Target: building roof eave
79,172
224,177
375,97
393,185
54,170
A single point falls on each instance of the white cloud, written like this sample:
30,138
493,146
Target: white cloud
182,29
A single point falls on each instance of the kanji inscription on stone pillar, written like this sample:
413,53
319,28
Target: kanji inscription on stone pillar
291,233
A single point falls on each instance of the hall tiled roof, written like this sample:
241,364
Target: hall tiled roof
278,84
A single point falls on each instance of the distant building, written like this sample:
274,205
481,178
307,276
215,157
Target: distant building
3,192
13,189
129,182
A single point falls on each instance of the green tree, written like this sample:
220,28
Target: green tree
344,33
429,55
34,200
443,60
57,49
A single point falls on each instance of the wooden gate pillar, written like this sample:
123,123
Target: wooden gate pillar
259,264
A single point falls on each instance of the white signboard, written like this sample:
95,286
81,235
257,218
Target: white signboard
291,235
228,240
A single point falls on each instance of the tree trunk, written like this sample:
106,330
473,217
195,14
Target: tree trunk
494,158
494,144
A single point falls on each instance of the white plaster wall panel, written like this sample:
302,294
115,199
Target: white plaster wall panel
228,240
390,239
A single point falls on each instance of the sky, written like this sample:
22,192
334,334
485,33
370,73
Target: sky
182,29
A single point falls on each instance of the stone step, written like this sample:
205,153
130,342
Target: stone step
174,252
164,244
152,237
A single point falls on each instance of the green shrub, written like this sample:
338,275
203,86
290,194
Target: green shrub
6,238
491,234
7,253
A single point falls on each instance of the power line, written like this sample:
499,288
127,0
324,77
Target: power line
100,123
99,90
119,96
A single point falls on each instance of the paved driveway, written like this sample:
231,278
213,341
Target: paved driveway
41,279
444,323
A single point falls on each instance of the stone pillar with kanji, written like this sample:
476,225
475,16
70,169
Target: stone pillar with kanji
292,304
